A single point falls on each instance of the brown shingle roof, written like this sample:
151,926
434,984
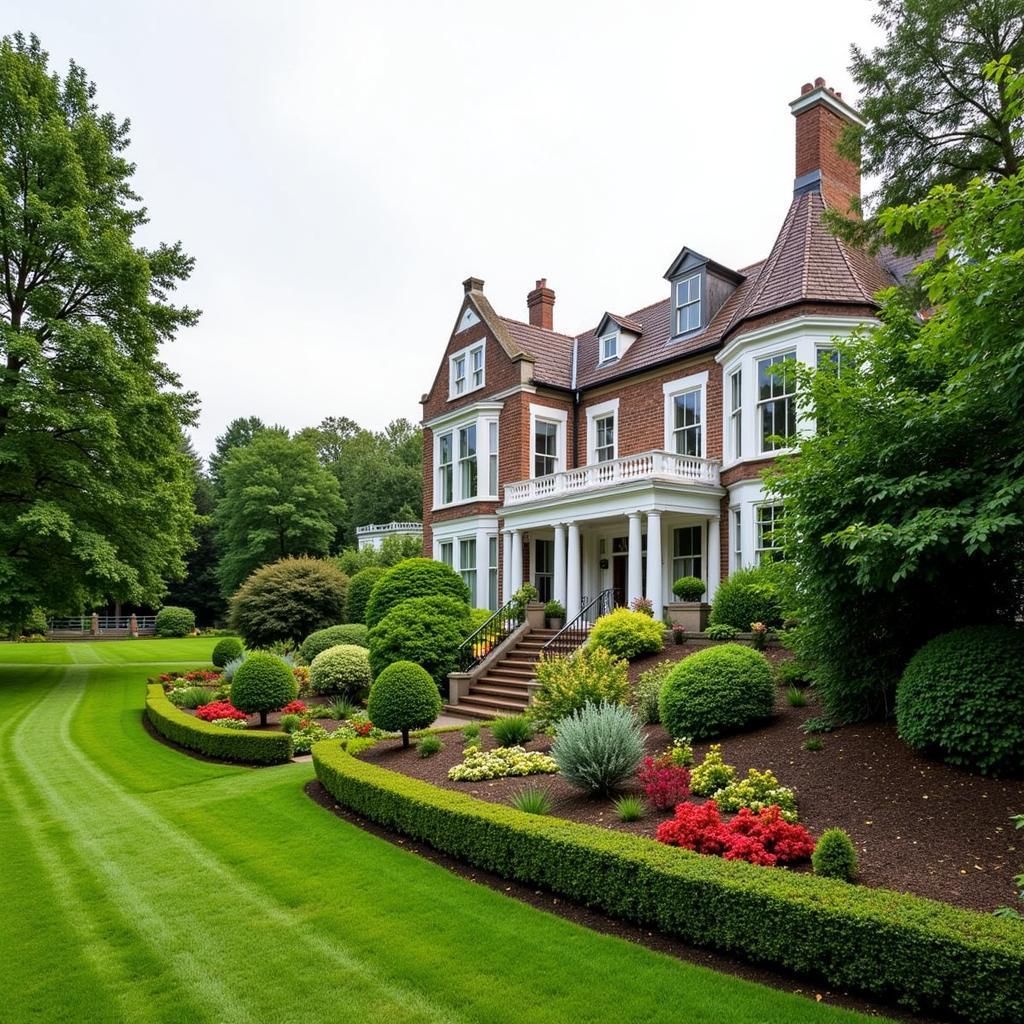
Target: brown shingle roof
551,352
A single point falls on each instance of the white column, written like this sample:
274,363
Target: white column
714,558
482,571
634,566
559,574
516,579
506,565
574,572
654,570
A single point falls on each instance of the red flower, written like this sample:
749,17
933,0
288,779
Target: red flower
363,728
219,709
294,707
665,784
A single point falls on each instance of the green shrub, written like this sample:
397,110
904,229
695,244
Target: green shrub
172,621
360,586
647,692
428,745
351,633
568,684
554,610
630,807
343,669
226,650
214,740
813,743
796,697
290,722
712,774
598,748
415,577
425,630
403,697
191,697
477,618
288,600
471,733
793,672
689,588
341,709
891,945
723,631
628,634
35,623
751,595
962,697
834,856
720,689
513,731
532,800
262,683
306,735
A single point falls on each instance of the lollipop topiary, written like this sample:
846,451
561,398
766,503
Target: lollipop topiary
403,697
261,684
226,650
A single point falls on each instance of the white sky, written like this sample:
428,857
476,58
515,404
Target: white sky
337,169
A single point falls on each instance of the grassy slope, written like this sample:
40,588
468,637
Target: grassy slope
142,885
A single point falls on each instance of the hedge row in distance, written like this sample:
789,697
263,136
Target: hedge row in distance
213,741
902,948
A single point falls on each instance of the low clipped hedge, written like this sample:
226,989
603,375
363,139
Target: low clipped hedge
212,740
903,948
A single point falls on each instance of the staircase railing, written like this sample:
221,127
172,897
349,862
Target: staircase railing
500,626
574,634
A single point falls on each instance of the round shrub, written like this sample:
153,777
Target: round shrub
834,856
628,634
35,623
598,748
425,630
415,577
261,684
352,633
403,697
689,588
749,595
288,600
359,589
722,631
344,669
961,697
172,621
717,690
226,650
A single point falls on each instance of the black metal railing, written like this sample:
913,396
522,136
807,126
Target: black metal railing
500,626
575,633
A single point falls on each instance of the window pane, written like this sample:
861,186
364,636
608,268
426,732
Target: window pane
544,554
736,389
545,448
492,465
769,520
688,423
467,442
687,552
446,552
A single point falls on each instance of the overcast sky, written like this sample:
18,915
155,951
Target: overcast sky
337,169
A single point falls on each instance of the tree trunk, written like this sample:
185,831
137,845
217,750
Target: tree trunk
405,737
263,719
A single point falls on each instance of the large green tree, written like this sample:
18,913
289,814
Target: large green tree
95,488
278,501
238,433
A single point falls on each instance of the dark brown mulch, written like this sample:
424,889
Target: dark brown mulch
918,826
274,718
587,917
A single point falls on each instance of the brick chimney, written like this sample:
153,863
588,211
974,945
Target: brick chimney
541,303
821,115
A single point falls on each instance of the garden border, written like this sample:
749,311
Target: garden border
238,745
910,950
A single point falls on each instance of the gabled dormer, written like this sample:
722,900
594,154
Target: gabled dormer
614,336
699,286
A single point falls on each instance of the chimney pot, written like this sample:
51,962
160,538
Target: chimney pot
805,88
818,83
541,304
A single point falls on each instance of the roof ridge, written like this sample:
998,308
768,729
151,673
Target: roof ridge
535,327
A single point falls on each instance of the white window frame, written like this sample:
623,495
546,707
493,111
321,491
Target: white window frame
482,532
600,412
445,470
493,466
736,526
680,307
462,375
446,552
777,513
468,464
760,403
701,557
468,571
672,390
486,432
602,356
735,412
492,571
548,414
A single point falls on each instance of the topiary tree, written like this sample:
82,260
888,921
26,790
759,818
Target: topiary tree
288,600
689,588
415,577
424,630
226,650
627,634
343,669
747,596
261,684
403,697
962,697
350,633
834,856
172,621
717,690
360,587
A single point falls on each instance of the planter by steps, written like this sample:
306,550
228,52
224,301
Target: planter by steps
691,615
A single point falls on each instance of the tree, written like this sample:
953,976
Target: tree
278,501
238,433
905,512
95,489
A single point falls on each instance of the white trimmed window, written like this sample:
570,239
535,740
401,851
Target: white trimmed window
687,554
545,448
445,552
609,346
828,354
736,413
466,370
467,462
476,367
769,544
776,401
687,427
445,481
492,573
492,458
466,457
544,568
604,438
467,564
737,539
687,304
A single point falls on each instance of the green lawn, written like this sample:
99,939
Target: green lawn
138,884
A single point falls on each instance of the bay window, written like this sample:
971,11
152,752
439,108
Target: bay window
736,413
776,401
467,462
769,543
445,481
492,573
492,458
467,565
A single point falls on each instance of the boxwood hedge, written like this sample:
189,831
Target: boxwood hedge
213,741
902,948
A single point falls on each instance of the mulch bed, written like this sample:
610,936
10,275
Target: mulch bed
274,717
919,826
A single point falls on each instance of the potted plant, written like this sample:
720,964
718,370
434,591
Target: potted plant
689,611
554,612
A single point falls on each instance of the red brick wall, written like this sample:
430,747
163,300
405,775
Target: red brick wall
818,129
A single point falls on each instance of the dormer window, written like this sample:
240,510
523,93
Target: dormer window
687,304
609,346
466,370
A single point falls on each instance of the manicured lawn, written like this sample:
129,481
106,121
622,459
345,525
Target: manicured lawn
139,884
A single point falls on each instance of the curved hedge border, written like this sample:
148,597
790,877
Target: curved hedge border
225,744
915,951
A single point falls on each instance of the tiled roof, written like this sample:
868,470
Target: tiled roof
550,351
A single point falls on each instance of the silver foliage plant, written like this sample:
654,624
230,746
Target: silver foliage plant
599,747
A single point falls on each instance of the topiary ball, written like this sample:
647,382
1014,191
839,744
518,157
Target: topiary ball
343,669
226,650
689,588
415,577
961,697
717,690
352,633
834,856
172,621
403,697
628,634
360,587
425,630
261,684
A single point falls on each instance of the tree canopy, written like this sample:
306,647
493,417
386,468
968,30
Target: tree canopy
95,487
